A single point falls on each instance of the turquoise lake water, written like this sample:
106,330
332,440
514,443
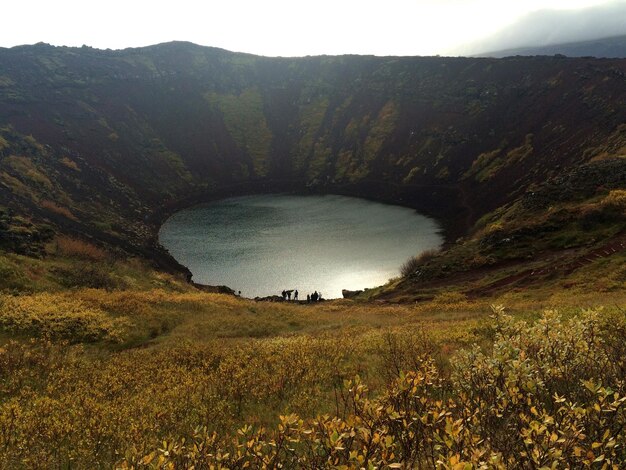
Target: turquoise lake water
262,244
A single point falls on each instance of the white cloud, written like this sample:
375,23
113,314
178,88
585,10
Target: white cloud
271,27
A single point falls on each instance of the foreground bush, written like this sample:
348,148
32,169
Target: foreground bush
547,394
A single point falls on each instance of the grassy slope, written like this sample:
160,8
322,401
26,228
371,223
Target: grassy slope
550,235
102,357
110,373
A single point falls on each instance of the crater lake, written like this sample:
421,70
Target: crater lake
264,244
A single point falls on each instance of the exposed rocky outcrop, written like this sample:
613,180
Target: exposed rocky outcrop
350,294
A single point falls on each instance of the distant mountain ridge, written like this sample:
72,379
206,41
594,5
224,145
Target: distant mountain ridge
559,26
611,47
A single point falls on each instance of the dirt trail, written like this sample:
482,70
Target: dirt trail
563,266
562,263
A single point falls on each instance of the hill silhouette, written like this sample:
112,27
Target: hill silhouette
610,47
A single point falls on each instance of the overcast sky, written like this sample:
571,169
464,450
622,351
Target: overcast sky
273,27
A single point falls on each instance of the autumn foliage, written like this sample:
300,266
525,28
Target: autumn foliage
548,393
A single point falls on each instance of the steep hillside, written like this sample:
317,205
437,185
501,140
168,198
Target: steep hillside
102,144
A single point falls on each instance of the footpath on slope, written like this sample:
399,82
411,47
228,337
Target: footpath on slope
562,263
564,266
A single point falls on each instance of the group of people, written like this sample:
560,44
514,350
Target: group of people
287,294
314,297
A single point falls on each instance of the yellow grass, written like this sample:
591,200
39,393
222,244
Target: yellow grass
156,364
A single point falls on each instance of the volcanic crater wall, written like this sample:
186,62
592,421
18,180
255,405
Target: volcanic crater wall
104,140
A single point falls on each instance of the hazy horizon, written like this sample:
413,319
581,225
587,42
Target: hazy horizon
280,28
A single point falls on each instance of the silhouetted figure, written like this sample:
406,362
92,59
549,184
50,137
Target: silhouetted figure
288,295
315,296
308,298
284,294
295,295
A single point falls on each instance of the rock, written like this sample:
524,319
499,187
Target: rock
349,294
270,298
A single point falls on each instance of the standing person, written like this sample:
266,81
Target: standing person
288,295
295,295
284,294
308,298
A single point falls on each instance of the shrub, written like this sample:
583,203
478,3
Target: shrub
450,298
52,316
547,396
11,277
544,394
59,210
69,163
615,199
411,265
68,246
88,274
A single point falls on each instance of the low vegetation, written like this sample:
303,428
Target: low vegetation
176,378
411,266
547,395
